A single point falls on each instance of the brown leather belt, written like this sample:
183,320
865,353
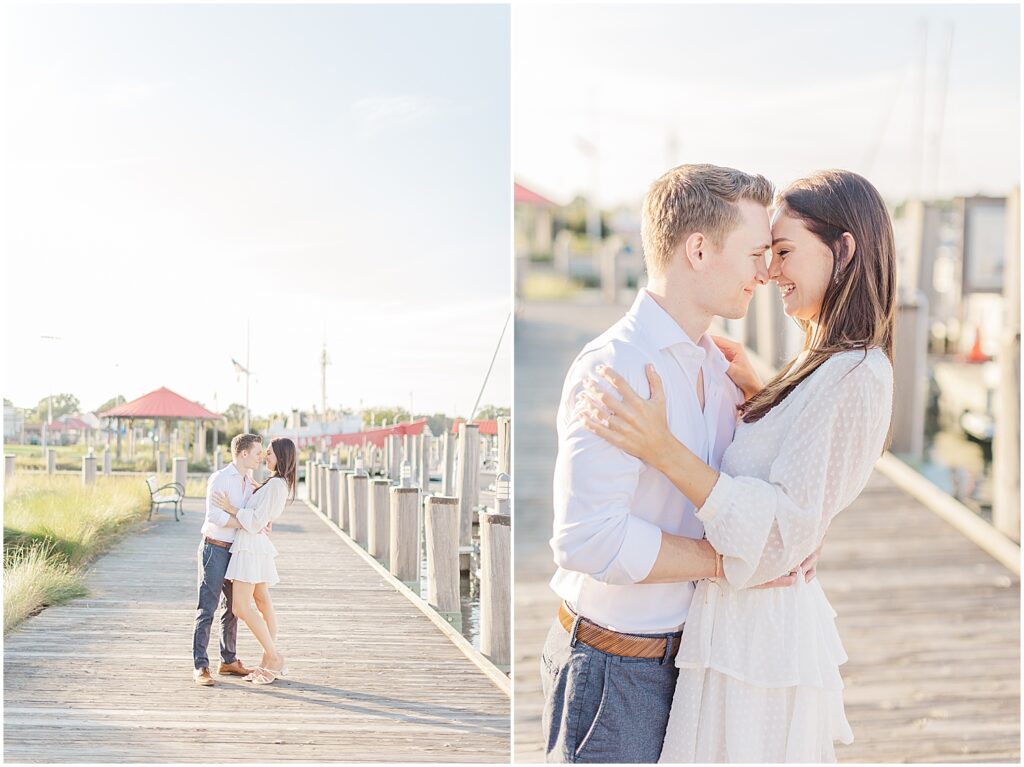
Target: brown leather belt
614,643
215,542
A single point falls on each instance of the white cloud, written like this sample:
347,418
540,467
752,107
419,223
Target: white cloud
374,114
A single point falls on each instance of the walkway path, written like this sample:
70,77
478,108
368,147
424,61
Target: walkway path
108,678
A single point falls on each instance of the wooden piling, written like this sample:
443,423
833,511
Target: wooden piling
404,536
505,445
448,464
357,503
425,441
333,512
442,535
344,515
495,588
108,462
321,488
9,459
394,458
89,469
51,460
378,537
181,471
910,374
468,486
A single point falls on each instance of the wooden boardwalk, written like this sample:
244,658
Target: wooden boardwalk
931,622
108,678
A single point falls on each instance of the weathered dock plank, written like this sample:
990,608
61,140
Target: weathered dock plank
930,621
107,678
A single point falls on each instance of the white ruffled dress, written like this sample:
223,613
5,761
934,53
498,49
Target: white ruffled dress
252,553
759,674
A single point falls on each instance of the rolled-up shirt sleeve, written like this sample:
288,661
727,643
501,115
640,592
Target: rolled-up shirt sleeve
214,514
595,531
766,528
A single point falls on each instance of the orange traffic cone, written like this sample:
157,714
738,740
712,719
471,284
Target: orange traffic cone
976,354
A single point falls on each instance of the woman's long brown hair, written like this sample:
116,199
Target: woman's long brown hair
284,451
858,310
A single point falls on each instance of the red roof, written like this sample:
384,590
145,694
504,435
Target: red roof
162,403
486,427
369,437
70,423
529,197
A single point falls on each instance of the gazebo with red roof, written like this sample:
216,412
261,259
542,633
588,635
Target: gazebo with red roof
162,406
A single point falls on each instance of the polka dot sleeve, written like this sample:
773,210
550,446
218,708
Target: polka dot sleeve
835,434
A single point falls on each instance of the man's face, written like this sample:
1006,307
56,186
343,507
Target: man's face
252,457
738,265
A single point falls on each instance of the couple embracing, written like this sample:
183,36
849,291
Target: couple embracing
691,499
236,557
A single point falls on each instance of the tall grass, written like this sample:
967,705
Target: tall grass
52,526
32,581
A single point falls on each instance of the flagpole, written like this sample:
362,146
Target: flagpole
246,429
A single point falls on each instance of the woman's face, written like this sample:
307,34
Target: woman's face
801,266
271,458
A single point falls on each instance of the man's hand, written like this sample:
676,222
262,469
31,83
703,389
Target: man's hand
809,567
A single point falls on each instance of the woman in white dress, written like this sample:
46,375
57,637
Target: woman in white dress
252,569
759,668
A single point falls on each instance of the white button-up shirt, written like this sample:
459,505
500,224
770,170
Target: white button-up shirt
610,508
238,486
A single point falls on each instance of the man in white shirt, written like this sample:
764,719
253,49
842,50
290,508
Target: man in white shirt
235,479
626,541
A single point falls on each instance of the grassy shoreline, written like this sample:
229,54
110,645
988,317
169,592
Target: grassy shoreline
53,527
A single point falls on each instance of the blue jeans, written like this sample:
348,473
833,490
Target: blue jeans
603,708
213,563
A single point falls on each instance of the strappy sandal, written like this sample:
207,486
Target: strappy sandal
266,676
252,674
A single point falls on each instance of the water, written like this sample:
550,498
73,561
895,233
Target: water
955,463
469,599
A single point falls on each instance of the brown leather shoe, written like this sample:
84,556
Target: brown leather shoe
235,668
201,676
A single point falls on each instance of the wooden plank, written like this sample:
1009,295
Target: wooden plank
108,678
931,623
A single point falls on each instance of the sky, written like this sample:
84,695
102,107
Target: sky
607,98
172,175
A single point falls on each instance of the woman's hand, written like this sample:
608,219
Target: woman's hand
809,567
740,370
638,426
220,500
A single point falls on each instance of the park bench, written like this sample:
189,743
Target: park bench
157,497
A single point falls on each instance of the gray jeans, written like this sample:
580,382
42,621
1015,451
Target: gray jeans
600,707
213,563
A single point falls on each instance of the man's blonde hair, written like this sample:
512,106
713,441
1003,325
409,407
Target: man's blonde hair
695,198
242,442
